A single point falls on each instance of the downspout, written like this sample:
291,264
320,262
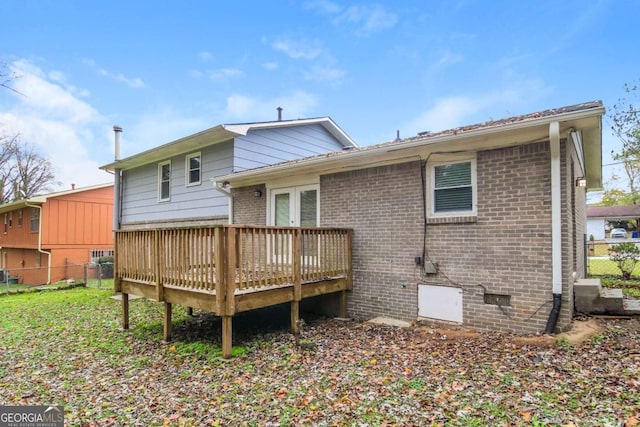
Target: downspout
221,187
117,193
556,227
40,241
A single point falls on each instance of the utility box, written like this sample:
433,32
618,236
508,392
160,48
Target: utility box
440,302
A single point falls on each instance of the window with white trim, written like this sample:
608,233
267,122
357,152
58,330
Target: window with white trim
453,188
193,169
164,181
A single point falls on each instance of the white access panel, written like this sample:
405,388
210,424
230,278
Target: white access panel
440,302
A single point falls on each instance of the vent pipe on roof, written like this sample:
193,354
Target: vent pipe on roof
398,135
117,130
279,114
73,186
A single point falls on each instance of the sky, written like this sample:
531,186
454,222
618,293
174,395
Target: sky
163,70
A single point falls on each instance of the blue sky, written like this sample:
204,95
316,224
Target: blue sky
165,69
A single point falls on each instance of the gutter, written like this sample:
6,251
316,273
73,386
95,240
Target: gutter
556,227
40,241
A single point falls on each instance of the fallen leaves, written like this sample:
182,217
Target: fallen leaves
357,374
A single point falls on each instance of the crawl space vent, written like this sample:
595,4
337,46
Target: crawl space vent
497,299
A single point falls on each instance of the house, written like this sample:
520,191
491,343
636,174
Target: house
599,216
171,185
172,243
49,238
481,226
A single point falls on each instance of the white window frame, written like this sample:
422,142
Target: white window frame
431,173
160,165
187,169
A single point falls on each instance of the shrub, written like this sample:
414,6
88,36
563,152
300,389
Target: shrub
626,256
105,260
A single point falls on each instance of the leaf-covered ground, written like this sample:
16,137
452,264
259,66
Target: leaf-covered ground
66,348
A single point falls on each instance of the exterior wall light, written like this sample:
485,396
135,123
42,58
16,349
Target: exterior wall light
257,193
581,182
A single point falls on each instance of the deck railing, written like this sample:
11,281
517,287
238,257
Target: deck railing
233,257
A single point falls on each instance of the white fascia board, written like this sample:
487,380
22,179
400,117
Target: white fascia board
326,122
196,141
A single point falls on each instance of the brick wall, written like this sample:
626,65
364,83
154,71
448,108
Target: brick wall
506,249
384,208
247,208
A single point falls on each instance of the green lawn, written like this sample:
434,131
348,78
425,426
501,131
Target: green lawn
604,266
66,348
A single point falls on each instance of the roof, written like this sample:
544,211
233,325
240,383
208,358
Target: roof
518,130
222,133
39,200
626,211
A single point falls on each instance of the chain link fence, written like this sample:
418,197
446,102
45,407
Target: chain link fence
600,264
96,275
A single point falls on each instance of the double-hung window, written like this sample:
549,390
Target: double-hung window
193,169
453,188
164,181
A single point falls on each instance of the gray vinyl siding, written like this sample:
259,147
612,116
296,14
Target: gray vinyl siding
268,146
140,189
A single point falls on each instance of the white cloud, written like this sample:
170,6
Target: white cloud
320,73
298,49
205,56
61,126
323,66
270,66
224,73
323,6
135,82
296,105
453,111
368,19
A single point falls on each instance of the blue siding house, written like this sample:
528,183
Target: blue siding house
174,184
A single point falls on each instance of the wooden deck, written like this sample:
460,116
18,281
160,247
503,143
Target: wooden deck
228,269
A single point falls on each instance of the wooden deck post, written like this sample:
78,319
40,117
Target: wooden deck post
227,337
156,250
167,322
125,311
297,278
230,279
218,254
342,308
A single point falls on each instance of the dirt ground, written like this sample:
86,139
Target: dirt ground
581,330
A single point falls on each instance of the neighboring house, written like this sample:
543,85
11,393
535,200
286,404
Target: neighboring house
482,225
48,238
172,184
599,216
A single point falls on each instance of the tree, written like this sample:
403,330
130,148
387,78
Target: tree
626,126
24,172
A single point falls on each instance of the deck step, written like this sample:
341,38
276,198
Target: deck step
631,306
611,293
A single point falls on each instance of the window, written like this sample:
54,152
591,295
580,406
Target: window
6,222
164,181
35,220
192,169
20,218
10,219
453,188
